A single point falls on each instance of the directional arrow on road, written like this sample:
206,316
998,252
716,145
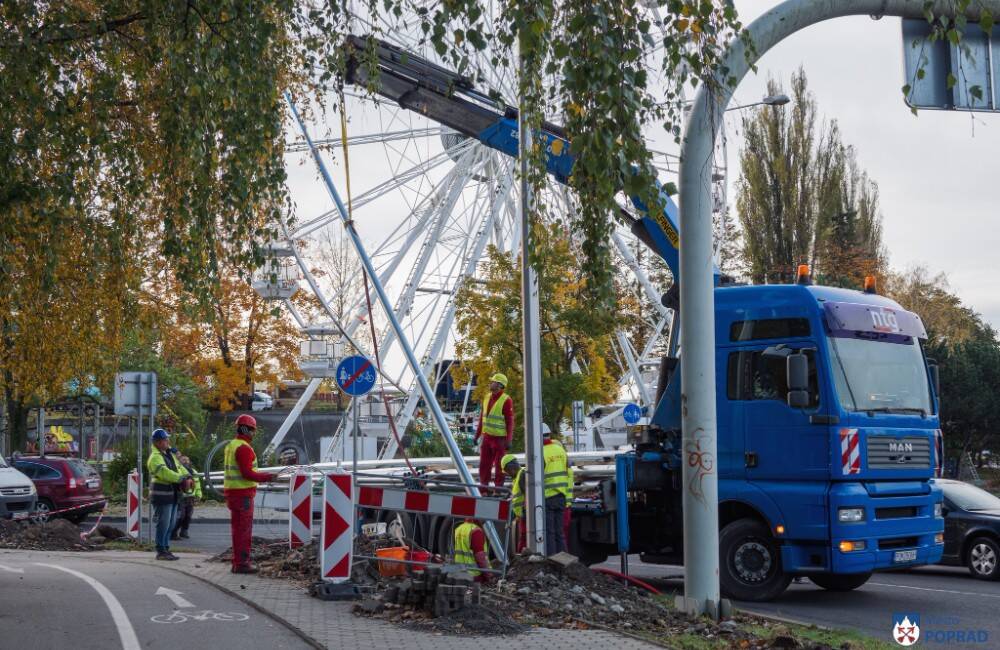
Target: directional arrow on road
175,597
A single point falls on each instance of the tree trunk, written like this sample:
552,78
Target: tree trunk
17,421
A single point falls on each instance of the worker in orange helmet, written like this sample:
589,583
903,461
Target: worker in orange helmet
239,484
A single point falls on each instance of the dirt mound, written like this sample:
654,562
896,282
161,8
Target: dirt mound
275,560
478,620
55,535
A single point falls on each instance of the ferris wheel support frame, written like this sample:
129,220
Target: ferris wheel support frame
441,420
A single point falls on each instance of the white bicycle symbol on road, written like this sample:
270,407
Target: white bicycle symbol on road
205,615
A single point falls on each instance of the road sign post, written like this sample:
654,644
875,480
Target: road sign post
356,377
697,289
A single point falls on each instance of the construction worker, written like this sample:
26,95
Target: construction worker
240,478
557,478
496,427
185,510
472,549
166,478
514,470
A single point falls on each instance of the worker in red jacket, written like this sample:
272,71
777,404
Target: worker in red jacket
239,484
496,428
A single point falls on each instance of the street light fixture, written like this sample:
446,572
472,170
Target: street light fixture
770,100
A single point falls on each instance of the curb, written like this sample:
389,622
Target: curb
211,520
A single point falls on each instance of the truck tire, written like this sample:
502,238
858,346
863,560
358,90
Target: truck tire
983,559
750,562
840,582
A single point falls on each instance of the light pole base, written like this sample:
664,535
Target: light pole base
716,610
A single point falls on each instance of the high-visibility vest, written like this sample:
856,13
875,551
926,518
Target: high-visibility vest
163,480
195,490
556,470
232,479
463,546
517,494
493,422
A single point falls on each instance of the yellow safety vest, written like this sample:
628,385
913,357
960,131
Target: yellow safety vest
163,480
556,470
493,422
463,546
517,494
232,479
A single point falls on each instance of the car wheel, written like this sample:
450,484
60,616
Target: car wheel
840,582
750,562
983,558
42,509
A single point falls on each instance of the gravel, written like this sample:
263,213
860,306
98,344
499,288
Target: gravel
54,535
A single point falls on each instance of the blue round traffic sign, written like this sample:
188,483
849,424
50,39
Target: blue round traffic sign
356,375
632,413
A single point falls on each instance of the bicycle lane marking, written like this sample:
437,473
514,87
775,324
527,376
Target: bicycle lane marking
124,626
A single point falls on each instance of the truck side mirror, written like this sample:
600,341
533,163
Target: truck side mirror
934,369
797,365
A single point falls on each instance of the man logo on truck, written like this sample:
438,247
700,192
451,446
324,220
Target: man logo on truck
901,447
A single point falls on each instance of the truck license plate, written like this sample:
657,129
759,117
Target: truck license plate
904,556
19,515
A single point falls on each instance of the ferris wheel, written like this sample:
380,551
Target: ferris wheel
427,201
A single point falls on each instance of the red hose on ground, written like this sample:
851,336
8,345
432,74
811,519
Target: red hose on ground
635,581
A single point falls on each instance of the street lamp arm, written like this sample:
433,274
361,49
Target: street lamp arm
697,315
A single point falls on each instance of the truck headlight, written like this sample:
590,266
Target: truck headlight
850,515
938,510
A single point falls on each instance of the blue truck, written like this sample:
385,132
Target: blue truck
828,429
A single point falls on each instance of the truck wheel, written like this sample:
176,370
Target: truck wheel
750,562
983,559
840,582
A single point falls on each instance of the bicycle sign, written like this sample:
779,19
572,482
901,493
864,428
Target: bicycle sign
356,376
204,615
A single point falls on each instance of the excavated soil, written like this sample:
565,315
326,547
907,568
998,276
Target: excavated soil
55,535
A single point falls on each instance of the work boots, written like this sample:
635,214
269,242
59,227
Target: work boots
245,568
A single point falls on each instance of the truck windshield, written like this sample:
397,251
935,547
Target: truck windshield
879,375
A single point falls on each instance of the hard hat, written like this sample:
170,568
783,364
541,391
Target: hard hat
160,434
546,431
499,378
246,421
507,460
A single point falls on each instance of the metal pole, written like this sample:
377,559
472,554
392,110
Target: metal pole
138,462
530,322
354,457
41,432
383,298
701,534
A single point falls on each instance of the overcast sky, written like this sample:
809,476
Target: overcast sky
937,172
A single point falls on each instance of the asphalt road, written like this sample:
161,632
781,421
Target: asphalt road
84,602
946,598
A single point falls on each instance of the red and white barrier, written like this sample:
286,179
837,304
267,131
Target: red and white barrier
133,505
453,505
300,496
337,538
850,451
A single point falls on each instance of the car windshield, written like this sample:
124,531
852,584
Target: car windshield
969,497
880,375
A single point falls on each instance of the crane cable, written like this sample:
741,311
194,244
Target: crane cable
349,223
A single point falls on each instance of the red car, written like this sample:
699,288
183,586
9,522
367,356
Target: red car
63,483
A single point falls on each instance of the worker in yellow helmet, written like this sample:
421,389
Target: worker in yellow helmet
496,428
514,470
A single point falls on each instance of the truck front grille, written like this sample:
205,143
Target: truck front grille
896,513
897,542
887,452
15,492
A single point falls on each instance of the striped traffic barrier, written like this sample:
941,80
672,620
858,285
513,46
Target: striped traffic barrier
133,505
300,510
337,538
418,501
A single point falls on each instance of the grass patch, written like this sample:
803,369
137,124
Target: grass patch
816,635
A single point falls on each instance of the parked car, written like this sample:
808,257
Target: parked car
17,493
63,483
971,528
261,402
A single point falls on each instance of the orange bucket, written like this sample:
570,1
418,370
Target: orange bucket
390,569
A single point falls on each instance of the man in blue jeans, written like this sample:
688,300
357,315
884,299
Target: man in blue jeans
166,478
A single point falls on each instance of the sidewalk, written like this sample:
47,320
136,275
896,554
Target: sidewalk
211,513
332,625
